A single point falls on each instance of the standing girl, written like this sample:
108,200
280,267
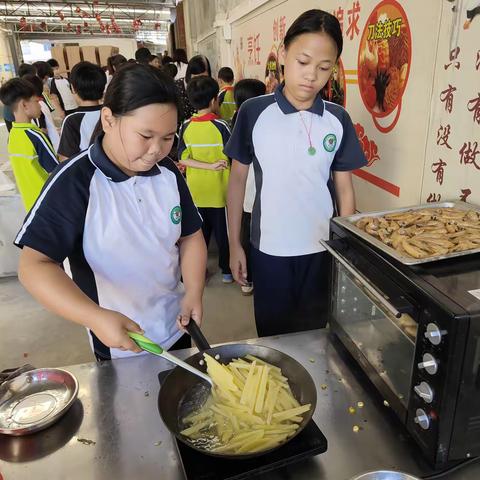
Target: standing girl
296,142
122,214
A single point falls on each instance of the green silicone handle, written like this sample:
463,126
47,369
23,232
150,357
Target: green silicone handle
145,343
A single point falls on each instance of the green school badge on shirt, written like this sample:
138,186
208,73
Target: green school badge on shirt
176,215
330,142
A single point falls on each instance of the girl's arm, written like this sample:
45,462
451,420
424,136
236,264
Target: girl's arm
344,193
54,289
218,165
193,264
235,197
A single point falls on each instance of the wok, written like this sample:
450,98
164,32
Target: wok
181,392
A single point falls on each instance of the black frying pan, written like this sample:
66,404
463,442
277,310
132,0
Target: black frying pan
182,392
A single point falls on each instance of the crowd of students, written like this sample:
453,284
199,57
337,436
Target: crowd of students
146,168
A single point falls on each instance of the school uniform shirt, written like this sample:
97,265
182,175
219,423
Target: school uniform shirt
77,130
120,236
182,70
227,103
32,158
293,205
52,131
61,87
203,138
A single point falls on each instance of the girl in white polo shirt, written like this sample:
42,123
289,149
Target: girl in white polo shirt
299,146
122,214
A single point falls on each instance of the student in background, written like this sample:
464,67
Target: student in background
225,97
198,66
123,216
170,69
154,61
88,84
45,122
181,61
142,55
113,64
23,69
200,149
31,154
296,142
244,90
45,73
60,87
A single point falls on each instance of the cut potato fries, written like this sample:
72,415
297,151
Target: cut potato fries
251,408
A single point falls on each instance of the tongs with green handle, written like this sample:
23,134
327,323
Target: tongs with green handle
150,346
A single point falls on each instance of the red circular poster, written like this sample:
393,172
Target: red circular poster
384,60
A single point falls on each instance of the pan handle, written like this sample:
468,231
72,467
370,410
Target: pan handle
200,341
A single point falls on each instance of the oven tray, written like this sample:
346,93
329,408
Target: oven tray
349,224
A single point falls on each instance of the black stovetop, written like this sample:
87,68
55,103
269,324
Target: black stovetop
198,466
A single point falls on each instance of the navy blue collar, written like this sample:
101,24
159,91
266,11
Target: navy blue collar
286,107
99,158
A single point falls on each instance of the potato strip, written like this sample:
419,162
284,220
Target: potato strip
251,408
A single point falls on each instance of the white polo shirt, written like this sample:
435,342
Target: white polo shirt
120,235
293,204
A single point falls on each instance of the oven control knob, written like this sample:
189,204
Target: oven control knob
429,363
434,334
424,391
422,419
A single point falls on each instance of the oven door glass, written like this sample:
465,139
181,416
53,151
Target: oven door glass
386,342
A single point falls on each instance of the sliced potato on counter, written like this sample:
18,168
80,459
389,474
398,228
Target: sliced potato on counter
251,407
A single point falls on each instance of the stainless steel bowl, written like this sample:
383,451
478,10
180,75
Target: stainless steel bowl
36,399
385,475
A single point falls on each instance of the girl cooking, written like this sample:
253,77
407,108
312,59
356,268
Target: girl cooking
296,142
123,216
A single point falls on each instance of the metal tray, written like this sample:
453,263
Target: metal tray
349,224
36,399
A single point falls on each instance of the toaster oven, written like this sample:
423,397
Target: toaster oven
415,332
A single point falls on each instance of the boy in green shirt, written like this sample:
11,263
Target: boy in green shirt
31,153
200,149
225,97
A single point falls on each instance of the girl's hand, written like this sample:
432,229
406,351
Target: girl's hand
191,308
219,165
111,329
238,264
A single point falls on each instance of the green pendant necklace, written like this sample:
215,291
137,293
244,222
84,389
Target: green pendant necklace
311,149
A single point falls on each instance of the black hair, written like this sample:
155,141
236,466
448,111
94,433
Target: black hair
135,86
26,69
197,65
142,54
171,69
248,88
180,56
316,21
15,90
166,59
151,58
131,60
53,63
201,91
36,83
88,80
226,74
43,69
114,62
